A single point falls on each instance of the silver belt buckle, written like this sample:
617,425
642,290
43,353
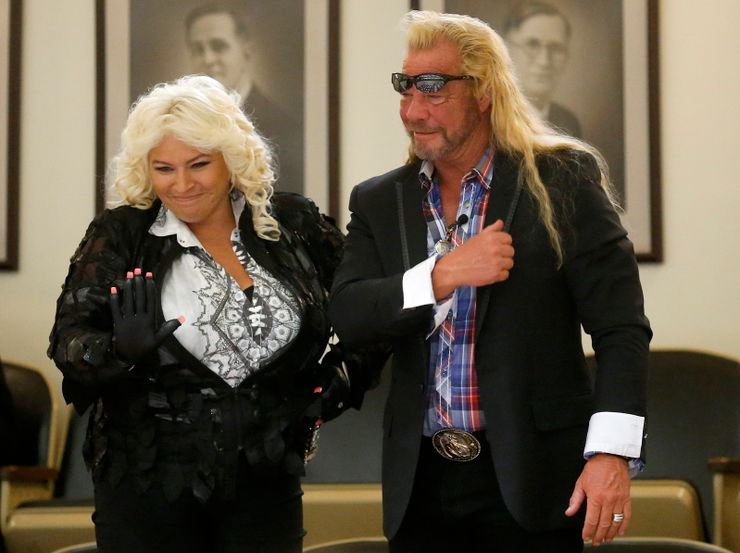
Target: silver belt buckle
456,445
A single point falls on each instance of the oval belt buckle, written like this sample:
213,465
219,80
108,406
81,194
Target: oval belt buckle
456,445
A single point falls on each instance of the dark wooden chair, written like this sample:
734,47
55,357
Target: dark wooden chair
90,547
693,416
61,517
39,420
359,545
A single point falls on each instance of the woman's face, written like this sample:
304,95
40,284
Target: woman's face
191,183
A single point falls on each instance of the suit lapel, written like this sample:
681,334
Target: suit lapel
503,191
412,237
411,224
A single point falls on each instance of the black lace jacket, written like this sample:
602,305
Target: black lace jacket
171,419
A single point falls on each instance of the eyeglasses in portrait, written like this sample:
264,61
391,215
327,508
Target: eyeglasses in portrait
589,68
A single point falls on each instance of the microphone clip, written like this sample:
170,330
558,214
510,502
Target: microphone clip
444,246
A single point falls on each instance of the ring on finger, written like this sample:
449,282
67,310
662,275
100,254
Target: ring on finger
617,518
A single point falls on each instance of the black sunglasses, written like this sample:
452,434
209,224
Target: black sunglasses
426,83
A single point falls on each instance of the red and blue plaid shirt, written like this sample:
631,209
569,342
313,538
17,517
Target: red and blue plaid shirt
452,384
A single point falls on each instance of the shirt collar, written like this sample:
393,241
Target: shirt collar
483,171
167,223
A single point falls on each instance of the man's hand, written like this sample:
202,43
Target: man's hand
605,485
484,259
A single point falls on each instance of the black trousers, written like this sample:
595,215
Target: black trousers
266,516
458,507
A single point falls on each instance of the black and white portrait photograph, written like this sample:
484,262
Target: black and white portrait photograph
583,65
262,50
568,58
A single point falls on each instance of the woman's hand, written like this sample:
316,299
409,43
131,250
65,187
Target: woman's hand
335,385
134,334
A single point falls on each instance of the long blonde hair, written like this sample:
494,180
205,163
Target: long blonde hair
516,128
200,112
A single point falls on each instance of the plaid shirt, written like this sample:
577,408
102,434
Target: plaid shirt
452,384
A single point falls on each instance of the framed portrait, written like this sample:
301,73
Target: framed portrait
10,78
281,56
591,68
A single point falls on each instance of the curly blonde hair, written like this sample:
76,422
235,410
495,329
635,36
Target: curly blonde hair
200,112
516,128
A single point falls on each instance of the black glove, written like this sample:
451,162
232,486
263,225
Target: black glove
134,334
335,385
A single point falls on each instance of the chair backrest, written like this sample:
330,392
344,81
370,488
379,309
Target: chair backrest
89,547
359,545
33,407
693,414
656,545
350,446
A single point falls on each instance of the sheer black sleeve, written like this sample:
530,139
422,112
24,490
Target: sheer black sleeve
80,341
325,245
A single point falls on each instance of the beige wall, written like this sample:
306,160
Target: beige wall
692,298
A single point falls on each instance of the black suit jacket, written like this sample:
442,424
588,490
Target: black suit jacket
534,385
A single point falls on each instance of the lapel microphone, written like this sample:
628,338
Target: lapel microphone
443,246
461,220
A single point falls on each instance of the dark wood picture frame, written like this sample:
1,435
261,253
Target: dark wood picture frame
638,172
320,105
11,19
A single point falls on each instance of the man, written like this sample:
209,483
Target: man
219,46
538,35
478,262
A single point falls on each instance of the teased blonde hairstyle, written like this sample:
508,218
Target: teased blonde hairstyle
516,128
200,112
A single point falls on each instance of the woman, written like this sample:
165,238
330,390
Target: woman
200,424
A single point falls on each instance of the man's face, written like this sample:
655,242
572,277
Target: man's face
217,50
539,48
449,124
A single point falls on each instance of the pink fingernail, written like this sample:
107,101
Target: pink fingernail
181,318
137,271
129,275
113,290
318,390
149,274
319,422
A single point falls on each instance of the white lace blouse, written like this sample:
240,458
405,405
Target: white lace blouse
231,331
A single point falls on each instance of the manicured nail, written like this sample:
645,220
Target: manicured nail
137,271
181,318
319,422
129,275
149,274
113,290
318,390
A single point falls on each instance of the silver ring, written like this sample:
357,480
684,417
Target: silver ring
617,518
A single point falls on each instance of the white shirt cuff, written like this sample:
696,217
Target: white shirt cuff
615,433
417,284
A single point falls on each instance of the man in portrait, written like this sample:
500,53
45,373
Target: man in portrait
219,45
538,35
